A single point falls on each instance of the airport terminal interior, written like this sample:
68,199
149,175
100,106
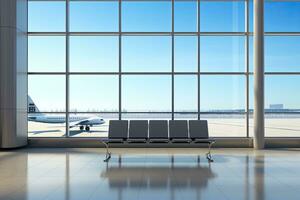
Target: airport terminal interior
149,99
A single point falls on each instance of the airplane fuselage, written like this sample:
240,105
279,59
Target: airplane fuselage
75,120
91,120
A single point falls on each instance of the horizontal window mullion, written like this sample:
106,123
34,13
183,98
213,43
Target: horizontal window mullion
224,112
293,112
87,112
159,33
282,73
46,33
46,73
142,33
48,112
143,112
145,73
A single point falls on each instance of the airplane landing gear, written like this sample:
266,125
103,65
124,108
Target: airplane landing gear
87,128
81,128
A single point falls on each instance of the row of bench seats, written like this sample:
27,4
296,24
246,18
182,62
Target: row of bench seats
157,131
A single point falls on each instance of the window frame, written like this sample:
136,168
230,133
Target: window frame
247,73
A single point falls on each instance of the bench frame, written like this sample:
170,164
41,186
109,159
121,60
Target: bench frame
210,142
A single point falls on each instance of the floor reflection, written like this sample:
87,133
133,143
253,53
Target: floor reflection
259,177
158,176
171,174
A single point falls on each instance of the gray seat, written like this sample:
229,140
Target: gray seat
138,131
178,130
198,130
117,133
118,130
158,131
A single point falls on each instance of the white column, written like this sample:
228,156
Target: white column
13,73
259,127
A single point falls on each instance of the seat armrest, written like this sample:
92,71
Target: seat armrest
104,139
204,140
115,140
136,140
165,140
175,140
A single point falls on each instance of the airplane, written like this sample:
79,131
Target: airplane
81,121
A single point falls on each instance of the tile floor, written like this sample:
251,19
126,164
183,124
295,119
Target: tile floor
149,174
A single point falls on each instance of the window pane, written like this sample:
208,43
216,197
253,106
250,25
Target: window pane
94,93
222,16
46,125
185,116
47,16
146,116
146,16
96,128
282,16
222,53
251,53
185,16
282,124
186,93
250,15
281,108
251,92
46,53
186,53
222,93
225,125
47,92
92,16
282,53
146,93
146,53
288,85
94,53
282,103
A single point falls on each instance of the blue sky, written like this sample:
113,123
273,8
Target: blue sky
154,54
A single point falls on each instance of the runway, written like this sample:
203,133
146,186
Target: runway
221,126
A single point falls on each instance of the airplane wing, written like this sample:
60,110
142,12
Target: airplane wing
80,122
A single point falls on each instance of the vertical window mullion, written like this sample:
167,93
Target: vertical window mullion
120,59
172,59
198,56
67,67
247,64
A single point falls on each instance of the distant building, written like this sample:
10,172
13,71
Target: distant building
276,106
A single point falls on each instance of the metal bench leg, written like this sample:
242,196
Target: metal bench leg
208,155
108,154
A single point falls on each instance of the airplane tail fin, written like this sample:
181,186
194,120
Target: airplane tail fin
32,108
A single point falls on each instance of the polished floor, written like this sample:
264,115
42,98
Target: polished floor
149,174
